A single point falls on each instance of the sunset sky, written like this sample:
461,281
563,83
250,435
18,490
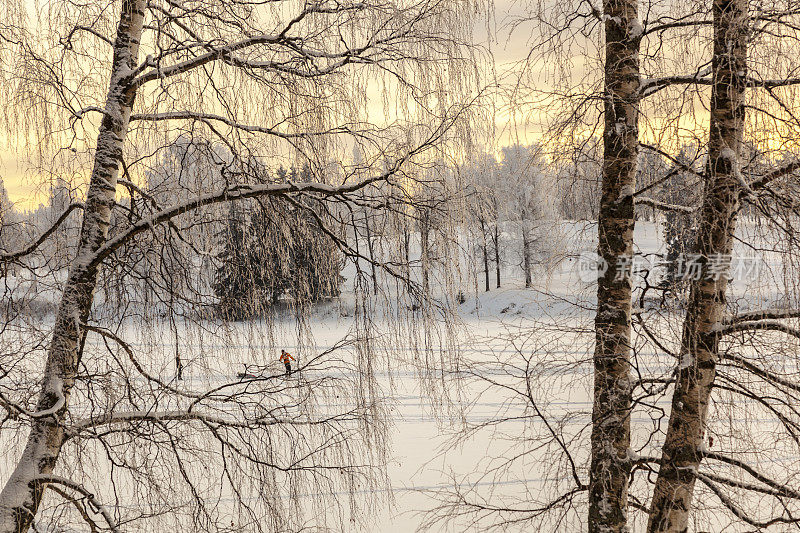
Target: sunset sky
26,187
507,50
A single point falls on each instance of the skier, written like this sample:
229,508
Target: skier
285,357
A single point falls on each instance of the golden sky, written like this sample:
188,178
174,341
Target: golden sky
27,188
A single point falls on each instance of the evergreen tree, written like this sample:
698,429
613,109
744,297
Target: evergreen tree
289,252
233,282
280,252
679,227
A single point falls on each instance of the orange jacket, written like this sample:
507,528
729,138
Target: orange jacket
285,356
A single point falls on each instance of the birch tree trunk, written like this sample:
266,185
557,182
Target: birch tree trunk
20,498
425,227
610,465
526,248
526,255
681,454
485,250
496,239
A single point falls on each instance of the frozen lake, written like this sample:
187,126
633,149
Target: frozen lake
480,416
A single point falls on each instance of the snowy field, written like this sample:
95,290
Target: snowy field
504,335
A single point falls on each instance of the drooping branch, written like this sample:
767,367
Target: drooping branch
77,487
736,510
244,191
780,487
769,376
672,159
579,484
129,351
77,503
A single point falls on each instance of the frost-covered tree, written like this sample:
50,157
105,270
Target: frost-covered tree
578,181
107,88
528,191
484,211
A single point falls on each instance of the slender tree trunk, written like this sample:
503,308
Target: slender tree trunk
526,253
681,454
485,254
496,238
20,498
406,247
371,249
610,465
424,252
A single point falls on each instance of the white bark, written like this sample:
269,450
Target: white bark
683,446
22,493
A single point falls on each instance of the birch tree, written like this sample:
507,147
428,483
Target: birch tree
611,434
684,447
730,372
271,81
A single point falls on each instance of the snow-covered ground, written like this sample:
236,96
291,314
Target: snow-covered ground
504,335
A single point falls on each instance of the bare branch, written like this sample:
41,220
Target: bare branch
77,487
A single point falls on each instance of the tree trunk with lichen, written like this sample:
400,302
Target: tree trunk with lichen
682,450
610,465
22,493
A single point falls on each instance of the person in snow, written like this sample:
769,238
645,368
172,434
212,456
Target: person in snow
286,357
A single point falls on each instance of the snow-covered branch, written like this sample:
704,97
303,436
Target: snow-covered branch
663,206
650,86
126,417
761,314
778,173
213,55
250,128
77,487
754,325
